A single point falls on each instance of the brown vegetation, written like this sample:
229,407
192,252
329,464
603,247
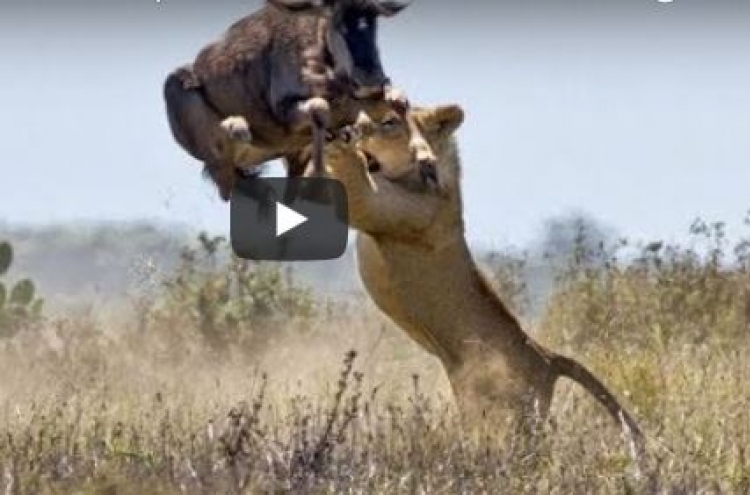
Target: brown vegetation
95,404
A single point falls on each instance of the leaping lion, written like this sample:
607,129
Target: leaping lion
416,265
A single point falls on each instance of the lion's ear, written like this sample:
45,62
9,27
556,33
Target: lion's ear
445,119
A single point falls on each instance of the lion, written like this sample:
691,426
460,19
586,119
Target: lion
416,265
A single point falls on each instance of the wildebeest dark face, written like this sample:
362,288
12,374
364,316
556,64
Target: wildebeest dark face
359,27
356,21
382,7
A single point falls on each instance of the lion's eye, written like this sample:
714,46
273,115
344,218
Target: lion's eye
390,123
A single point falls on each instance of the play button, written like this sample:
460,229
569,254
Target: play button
287,219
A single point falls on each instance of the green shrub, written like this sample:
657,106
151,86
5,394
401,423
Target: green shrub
666,294
228,299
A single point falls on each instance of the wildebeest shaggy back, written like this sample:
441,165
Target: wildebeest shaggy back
258,84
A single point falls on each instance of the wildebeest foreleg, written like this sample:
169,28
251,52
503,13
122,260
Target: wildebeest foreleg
317,77
315,114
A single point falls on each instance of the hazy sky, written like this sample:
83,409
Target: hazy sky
633,110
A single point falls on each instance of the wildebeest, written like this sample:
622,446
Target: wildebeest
279,78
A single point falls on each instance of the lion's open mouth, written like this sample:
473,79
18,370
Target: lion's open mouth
373,165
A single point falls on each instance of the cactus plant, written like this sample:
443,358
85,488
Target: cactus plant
22,293
19,305
6,257
222,294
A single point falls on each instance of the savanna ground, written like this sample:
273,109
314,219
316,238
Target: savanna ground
226,377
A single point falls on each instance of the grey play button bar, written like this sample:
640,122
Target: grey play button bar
289,219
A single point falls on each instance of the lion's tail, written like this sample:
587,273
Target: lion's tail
572,369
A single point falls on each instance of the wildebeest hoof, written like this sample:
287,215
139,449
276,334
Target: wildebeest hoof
397,99
237,128
319,110
365,126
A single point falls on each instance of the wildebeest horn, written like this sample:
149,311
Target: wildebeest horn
297,5
388,8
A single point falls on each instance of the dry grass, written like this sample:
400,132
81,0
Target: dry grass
150,404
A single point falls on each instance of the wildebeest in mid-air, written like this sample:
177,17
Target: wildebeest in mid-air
278,80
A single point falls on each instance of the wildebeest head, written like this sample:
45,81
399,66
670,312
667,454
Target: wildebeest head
353,25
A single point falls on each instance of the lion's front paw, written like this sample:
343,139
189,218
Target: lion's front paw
349,134
338,150
237,128
342,151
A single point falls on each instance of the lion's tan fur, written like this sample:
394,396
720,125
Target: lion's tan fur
416,265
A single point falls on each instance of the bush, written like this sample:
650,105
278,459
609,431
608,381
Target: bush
227,299
666,294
